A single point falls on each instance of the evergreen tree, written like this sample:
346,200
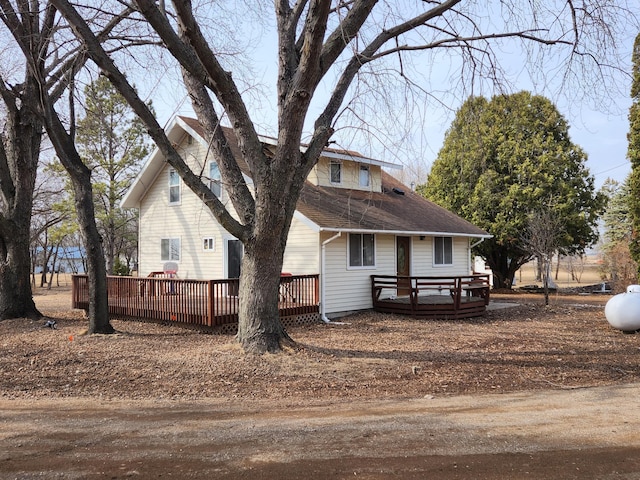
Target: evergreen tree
112,143
633,153
505,159
616,218
618,264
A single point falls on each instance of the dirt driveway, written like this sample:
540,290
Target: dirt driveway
582,433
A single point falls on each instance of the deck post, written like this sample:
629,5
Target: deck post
414,293
210,303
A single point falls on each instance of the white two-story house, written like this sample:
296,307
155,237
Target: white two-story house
352,220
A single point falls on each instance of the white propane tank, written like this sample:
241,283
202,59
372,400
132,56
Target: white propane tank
623,310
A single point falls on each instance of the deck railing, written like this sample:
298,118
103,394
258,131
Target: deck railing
457,296
196,302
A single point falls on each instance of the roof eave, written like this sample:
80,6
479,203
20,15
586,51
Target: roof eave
406,232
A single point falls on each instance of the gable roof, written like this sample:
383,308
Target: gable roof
396,209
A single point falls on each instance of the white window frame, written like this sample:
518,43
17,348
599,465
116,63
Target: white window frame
174,182
208,244
366,180
173,252
440,243
361,251
215,181
338,165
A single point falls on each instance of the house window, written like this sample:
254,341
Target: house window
215,184
443,250
170,249
364,175
208,244
362,251
174,186
335,172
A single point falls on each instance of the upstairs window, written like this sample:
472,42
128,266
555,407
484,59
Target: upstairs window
335,172
443,251
170,249
364,176
362,251
174,186
215,183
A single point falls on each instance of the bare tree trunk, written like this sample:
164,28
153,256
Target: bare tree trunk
261,330
19,155
54,270
16,299
504,270
81,180
545,264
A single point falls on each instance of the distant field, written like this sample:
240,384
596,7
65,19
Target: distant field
60,281
587,274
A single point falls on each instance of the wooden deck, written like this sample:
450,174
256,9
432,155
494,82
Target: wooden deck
431,297
196,302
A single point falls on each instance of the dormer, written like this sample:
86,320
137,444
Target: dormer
348,170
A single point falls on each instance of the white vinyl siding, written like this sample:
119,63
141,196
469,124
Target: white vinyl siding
350,289
302,255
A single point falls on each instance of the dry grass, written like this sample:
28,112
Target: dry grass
372,356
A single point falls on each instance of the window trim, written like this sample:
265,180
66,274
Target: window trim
444,253
362,168
217,181
177,185
208,244
170,240
373,266
339,165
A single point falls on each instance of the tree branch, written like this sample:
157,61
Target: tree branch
105,63
198,60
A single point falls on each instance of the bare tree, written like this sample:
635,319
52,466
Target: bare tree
45,215
22,131
542,238
332,44
51,63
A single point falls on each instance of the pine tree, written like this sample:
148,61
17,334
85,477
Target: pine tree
633,153
112,142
